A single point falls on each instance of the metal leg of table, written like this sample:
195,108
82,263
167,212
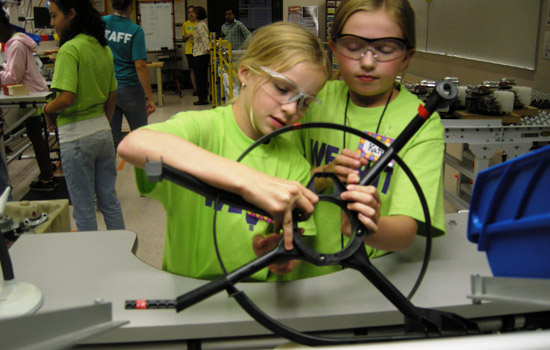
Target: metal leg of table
159,86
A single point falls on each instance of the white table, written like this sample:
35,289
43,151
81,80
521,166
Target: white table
31,101
76,269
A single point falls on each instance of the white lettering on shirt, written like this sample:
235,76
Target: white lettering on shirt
117,36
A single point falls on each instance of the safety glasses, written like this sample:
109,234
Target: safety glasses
383,49
285,90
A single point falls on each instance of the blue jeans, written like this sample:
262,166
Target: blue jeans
90,171
130,102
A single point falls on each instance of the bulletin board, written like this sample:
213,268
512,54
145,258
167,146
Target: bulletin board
157,24
495,31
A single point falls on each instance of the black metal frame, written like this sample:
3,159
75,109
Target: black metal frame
419,322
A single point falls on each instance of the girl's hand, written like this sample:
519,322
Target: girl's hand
150,106
51,119
280,197
262,245
346,163
365,201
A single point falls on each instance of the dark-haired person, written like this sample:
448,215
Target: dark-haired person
21,68
234,30
84,79
201,55
134,97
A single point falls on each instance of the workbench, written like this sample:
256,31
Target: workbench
31,101
82,268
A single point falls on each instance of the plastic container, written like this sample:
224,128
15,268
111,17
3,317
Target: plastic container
509,216
57,211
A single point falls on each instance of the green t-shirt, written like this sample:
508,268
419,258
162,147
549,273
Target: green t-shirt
423,154
85,68
189,246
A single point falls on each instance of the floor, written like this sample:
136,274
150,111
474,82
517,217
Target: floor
142,215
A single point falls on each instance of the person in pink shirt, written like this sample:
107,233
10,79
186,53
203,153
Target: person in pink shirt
21,68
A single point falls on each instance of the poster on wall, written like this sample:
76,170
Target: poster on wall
295,14
306,16
310,19
100,6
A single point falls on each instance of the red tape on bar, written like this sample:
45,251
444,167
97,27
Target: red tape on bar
423,112
141,304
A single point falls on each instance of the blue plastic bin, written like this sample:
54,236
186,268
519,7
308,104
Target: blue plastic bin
509,216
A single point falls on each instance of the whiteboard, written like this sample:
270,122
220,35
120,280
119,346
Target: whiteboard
156,21
495,31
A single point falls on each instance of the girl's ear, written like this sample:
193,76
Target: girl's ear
332,45
243,74
71,14
407,59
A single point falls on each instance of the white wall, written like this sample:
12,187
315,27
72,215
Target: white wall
433,66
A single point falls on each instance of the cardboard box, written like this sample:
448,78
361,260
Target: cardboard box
18,90
57,211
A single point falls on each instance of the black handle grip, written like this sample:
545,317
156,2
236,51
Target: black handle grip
156,171
247,270
201,293
444,92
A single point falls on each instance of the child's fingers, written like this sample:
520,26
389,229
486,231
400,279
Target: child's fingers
284,267
306,203
287,229
344,172
353,178
365,201
346,162
262,245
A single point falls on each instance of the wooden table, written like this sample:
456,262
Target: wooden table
158,66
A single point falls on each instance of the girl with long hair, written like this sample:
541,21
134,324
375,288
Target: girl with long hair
84,79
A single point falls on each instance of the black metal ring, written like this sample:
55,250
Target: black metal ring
275,326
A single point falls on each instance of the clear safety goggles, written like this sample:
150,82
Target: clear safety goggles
284,90
383,49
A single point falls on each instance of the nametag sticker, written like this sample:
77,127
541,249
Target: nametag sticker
372,152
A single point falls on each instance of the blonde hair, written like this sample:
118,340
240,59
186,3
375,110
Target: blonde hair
282,45
400,10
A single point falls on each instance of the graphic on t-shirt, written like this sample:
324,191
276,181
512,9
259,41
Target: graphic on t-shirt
250,217
117,37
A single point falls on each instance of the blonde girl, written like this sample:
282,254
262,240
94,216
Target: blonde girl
281,72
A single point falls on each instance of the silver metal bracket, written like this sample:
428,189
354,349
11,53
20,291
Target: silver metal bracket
514,290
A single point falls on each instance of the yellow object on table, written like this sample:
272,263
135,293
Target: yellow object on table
57,211
18,90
